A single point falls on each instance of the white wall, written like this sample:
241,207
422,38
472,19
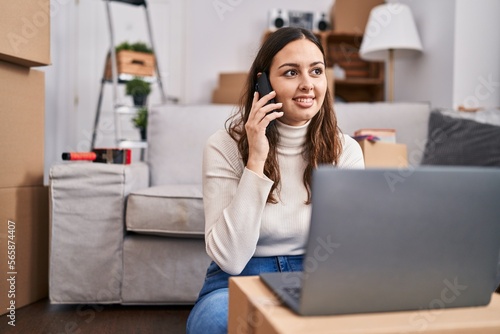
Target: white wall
428,76
60,83
460,62
477,54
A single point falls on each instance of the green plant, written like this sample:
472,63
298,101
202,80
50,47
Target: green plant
140,120
138,47
137,87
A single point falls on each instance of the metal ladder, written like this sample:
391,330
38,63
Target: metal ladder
117,78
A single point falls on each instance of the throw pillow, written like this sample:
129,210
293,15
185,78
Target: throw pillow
461,142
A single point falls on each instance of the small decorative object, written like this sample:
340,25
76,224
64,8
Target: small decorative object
139,90
141,121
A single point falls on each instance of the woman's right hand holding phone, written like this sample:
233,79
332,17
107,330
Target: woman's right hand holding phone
259,118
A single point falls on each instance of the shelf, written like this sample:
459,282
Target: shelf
127,110
132,2
364,80
132,144
124,78
358,81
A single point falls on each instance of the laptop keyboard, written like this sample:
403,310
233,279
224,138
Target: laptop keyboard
294,292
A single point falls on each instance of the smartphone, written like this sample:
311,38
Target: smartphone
263,86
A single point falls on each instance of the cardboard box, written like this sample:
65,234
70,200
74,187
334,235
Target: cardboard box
24,239
22,92
253,308
135,63
229,88
226,96
233,80
351,16
25,27
380,154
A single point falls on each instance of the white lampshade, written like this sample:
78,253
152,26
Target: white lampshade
390,27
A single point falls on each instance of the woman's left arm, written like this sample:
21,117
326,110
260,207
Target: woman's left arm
352,155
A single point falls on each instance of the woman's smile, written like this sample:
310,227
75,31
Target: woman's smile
304,101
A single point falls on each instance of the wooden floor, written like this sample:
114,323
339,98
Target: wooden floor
44,318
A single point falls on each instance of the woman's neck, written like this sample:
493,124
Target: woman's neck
292,138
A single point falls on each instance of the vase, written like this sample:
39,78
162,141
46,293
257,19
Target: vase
143,133
139,100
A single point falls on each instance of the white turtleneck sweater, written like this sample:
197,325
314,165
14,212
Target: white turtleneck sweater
239,224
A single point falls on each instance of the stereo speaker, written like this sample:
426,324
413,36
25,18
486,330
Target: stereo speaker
278,19
321,22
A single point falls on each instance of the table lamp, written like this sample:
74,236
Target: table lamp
390,28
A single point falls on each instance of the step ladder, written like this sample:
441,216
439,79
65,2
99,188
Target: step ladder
121,78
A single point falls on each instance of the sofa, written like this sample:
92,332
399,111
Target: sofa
133,234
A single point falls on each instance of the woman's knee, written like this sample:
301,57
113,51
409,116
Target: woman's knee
209,315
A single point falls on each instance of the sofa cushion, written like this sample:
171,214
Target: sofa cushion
461,142
176,138
173,210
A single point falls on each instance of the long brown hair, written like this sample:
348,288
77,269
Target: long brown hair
322,146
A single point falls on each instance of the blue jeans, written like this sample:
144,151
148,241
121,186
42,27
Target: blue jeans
209,314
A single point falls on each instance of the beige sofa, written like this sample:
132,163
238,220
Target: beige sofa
133,234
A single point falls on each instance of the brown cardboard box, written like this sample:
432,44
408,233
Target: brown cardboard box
226,95
25,27
22,96
24,232
234,80
253,308
381,154
351,16
230,87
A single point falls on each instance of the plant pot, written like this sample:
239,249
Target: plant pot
143,133
140,100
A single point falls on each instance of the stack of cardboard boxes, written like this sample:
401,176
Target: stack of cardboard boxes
24,223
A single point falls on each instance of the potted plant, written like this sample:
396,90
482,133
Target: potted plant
140,121
139,90
137,47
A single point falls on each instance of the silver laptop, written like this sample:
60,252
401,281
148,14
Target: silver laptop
393,240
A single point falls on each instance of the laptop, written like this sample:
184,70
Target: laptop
393,240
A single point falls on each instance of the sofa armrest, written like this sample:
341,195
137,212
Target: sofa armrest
87,209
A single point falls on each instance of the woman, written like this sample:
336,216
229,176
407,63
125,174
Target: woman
257,173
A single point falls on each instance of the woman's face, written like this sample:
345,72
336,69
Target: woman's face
297,74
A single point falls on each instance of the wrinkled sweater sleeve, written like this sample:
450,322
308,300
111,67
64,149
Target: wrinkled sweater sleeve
234,198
